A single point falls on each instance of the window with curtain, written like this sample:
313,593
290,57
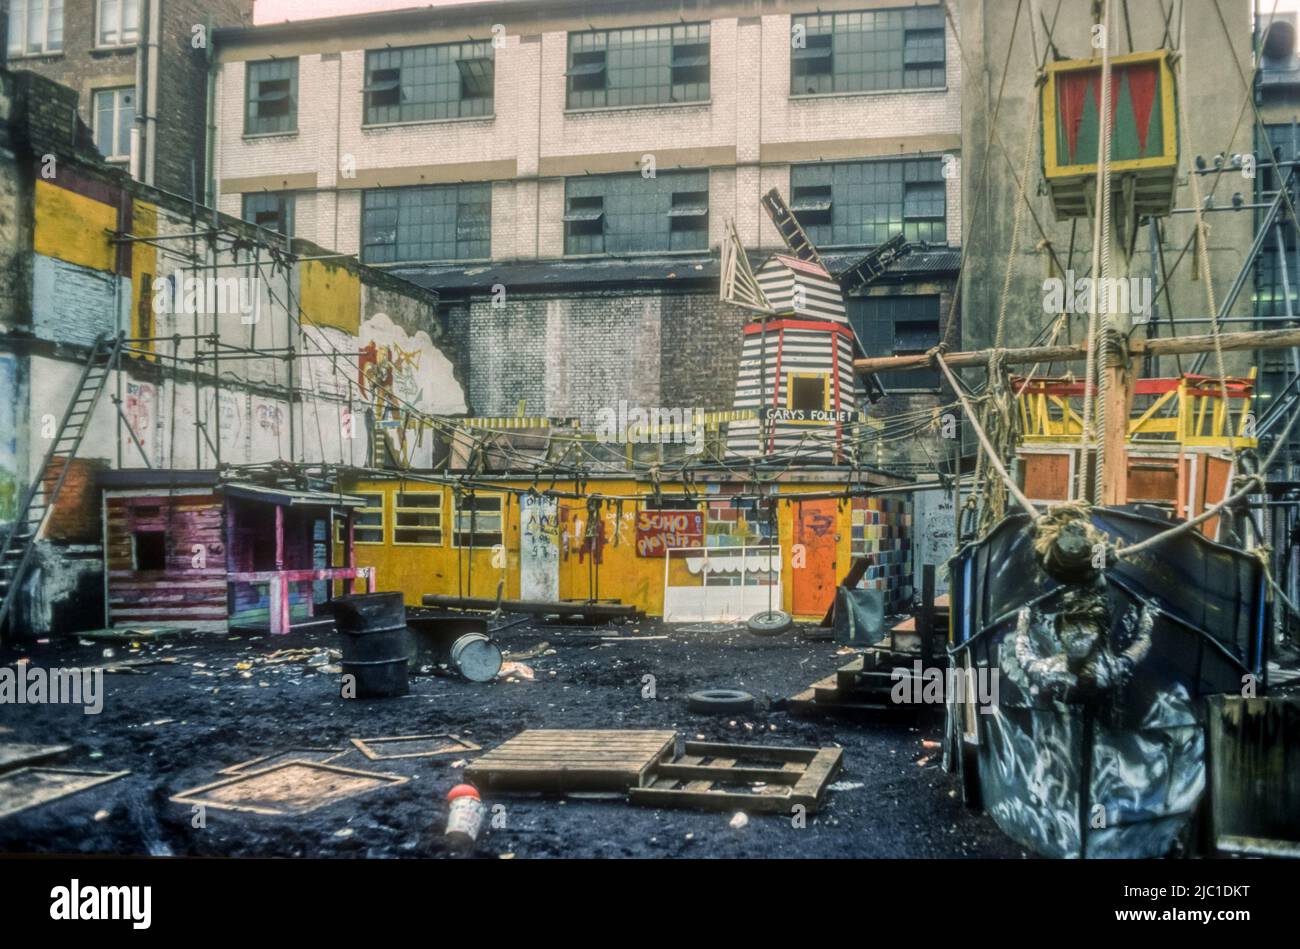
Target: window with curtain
119,22
113,120
35,27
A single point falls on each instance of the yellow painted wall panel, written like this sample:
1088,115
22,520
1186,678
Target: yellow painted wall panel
144,268
623,575
330,296
72,227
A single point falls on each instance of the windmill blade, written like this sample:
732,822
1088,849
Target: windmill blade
738,285
791,231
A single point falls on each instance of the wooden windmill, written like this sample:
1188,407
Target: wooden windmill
796,366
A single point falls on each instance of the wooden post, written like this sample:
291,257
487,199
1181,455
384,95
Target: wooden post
348,541
279,586
925,618
1119,397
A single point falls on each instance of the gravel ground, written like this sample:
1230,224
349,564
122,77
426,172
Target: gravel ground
174,725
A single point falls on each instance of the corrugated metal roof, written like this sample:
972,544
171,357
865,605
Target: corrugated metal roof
611,272
288,497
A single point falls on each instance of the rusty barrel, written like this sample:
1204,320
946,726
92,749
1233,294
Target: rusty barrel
375,643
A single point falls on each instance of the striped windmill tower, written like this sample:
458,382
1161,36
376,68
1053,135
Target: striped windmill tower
796,365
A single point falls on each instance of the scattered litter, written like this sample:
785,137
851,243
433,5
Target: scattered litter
464,816
845,786
739,820
344,832
927,743
709,628
102,814
538,650
514,671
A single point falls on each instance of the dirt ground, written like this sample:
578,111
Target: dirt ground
175,724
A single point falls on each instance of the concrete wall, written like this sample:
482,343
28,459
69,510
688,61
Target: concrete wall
1213,95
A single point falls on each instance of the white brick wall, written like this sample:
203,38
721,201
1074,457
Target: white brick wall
750,108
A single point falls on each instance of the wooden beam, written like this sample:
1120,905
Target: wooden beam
1161,346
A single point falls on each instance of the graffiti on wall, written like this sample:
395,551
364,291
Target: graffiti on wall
539,548
656,531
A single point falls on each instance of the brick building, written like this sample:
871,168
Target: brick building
140,70
562,173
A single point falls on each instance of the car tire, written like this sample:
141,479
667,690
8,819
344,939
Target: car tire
720,702
769,623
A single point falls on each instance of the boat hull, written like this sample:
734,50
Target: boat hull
1120,774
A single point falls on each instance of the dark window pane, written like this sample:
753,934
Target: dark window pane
898,326
443,222
642,66
623,214
272,93
861,204
868,51
271,211
427,83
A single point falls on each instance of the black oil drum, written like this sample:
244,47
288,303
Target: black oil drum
375,643
459,643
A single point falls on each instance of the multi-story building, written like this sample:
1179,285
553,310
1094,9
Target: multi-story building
140,70
563,173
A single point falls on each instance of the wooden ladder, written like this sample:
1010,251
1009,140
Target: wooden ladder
791,231
20,541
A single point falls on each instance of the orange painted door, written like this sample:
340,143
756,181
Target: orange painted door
813,558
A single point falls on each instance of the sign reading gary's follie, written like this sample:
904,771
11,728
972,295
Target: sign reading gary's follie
824,416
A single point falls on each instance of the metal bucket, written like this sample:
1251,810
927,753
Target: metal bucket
375,643
459,643
475,657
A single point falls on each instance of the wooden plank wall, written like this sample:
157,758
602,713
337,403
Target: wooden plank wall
181,593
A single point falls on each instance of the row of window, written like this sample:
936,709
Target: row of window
878,50
36,26
842,204
418,520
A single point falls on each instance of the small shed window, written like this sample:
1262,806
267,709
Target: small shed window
479,521
417,518
367,522
807,393
149,550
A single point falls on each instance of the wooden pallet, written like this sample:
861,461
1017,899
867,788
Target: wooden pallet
723,777
545,759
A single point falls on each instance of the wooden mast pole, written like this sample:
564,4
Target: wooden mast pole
1075,352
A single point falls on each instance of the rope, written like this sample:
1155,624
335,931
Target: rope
936,355
1100,269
